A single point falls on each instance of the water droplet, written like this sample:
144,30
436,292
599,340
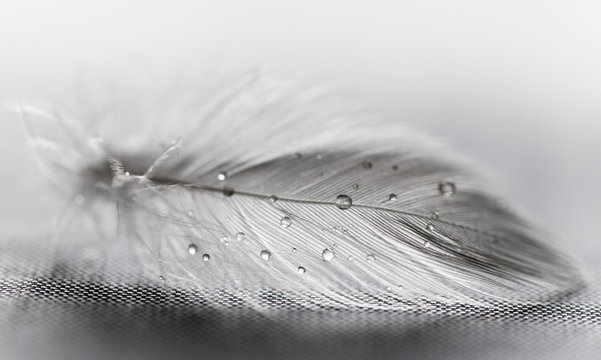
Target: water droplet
388,288
265,255
222,176
434,215
127,173
228,191
206,257
350,258
293,249
392,197
426,244
327,255
223,239
430,227
192,249
319,156
190,213
446,188
79,199
367,165
370,258
355,186
161,277
344,202
273,199
301,270
240,236
285,222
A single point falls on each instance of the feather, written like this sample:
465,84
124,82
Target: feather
256,186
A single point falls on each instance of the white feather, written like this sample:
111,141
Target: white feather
252,179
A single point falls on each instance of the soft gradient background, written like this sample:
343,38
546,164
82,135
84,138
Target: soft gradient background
516,84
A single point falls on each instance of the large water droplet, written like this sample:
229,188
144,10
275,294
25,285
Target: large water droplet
446,188
344,202
367,165
206,257
222,176
301,270
327,255
265,254
370,258
192,249
285,221
392,197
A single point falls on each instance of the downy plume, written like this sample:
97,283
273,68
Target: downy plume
256,186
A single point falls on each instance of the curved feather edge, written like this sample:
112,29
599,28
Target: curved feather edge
239,181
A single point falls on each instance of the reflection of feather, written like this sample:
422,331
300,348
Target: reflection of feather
267,188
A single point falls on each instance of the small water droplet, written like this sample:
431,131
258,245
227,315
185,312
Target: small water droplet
285,222
392,197
301,270
223,239
446,188
327,255
190,213
370,258
355,186
161,277
265,255
434,215
240,236
344,202
228,191
192,249
426,244
127,173
273,199
222,176
293,249
350,258
367,165
206,257
79,199
430,227
388,288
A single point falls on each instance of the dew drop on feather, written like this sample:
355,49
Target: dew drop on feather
265,254
327,255
344,202
192,249
446,188
285,221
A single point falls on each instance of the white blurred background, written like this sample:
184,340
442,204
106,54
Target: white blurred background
515,84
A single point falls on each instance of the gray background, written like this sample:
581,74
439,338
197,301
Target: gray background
514,84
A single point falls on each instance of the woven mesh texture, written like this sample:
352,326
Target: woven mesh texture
71,310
